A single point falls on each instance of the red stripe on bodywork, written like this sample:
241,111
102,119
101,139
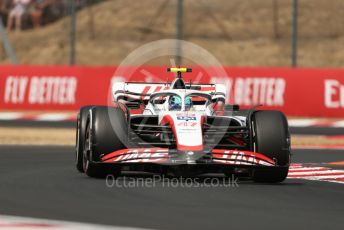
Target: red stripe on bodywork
189,148
145,91
207,88
157,89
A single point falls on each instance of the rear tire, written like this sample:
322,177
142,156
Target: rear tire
107,132
272,139
80,134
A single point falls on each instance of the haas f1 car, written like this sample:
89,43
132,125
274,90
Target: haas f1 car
181,129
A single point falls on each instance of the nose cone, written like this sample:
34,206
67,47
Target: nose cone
187,130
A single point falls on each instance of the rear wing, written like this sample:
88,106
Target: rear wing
140,92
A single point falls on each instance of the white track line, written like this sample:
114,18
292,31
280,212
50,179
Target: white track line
10,115
338,124
14,223
301,122
53,117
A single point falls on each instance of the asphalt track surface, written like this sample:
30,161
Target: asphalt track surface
42,182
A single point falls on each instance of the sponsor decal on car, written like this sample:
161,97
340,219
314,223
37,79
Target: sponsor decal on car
235,157
137,155
187,123
186,118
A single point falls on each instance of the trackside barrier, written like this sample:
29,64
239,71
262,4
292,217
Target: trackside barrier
297,92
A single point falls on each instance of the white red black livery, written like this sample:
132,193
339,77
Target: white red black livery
181,129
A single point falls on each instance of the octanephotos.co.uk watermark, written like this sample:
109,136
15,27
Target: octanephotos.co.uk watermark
170,182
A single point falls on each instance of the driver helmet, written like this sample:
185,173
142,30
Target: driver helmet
175,103
188,103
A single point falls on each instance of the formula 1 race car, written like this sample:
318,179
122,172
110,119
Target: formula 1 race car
181,129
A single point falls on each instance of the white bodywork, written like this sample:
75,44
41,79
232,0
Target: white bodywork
186,124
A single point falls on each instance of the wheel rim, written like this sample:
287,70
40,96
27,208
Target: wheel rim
77,143
86,146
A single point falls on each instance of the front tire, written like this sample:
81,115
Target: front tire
80,134
107,131
272,139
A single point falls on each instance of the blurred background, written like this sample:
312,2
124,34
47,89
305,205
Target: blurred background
306,33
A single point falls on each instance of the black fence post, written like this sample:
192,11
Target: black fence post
179,31
294,38
72,32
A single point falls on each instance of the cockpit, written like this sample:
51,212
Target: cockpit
170,101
